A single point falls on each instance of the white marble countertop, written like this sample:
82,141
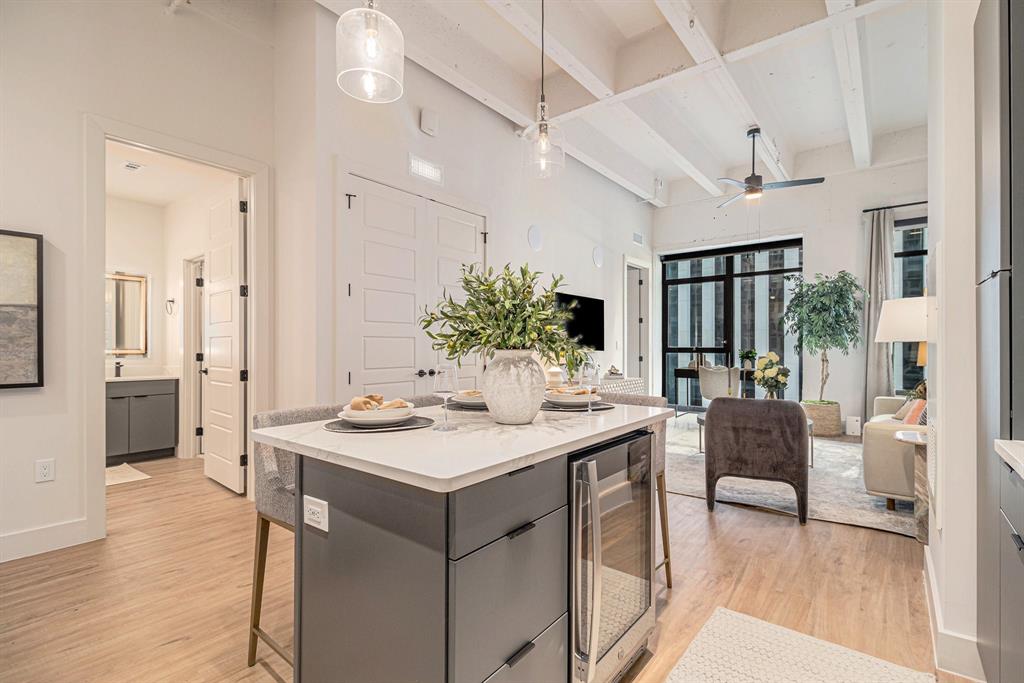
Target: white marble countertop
478,450
140,378
1012,452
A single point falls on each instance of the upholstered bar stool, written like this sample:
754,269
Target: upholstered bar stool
275,502
658,457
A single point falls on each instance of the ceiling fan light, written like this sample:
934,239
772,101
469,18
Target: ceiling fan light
370,55
752,193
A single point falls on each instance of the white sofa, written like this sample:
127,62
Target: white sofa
888,463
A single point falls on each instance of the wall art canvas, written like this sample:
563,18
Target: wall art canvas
21,309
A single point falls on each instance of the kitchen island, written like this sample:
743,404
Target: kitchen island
448,557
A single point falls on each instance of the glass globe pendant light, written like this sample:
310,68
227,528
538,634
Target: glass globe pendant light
370,55
546,156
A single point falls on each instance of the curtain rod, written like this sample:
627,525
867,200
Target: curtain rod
894,206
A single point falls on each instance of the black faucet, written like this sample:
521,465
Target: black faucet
117,368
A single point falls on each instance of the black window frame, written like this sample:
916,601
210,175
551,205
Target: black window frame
728,279
903,224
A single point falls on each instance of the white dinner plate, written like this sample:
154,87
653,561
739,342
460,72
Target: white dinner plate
472,401
378,418
570,399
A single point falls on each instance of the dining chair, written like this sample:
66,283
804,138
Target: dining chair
275,503
658,462
715,382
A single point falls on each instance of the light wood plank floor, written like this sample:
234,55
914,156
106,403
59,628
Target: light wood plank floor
166,596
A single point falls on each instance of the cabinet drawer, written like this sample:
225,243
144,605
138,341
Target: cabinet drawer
504,594
544,660
1011,606
1011,496
146,387
153,424
481,513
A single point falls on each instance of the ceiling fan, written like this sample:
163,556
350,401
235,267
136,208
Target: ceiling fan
753,186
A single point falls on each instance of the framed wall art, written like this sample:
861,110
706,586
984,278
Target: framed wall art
21,309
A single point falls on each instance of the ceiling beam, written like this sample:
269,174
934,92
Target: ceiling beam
684,19
581,53
846,44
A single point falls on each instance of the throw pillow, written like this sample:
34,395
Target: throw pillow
923,420
915,412
904,409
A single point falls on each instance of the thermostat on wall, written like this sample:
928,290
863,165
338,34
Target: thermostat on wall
429,121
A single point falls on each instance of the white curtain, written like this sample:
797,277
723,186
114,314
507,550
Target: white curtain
878,373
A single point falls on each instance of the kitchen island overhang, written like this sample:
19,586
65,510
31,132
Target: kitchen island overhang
447,555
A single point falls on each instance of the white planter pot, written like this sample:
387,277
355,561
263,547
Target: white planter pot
513,387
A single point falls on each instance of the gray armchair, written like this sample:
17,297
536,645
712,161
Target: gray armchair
765,439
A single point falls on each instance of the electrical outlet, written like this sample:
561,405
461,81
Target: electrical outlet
45,470
314,512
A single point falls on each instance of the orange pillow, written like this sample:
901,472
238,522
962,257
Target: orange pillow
914,415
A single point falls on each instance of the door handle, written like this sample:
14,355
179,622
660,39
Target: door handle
205,371
424,373
1018,541
519,531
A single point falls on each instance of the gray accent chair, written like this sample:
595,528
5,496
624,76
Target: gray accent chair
275,502
752,439
658,458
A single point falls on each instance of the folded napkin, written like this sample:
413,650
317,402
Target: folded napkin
375,402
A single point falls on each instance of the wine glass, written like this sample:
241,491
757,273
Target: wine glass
590,378
446,385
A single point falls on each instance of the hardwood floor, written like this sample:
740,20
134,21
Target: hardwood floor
166,596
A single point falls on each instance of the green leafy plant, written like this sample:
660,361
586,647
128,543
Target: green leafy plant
503,311
771,375
748,354
825,315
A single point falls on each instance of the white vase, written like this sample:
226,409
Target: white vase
513,387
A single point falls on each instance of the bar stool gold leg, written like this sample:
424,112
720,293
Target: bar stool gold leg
259,570
663,513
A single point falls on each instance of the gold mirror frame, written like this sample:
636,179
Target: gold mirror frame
143,314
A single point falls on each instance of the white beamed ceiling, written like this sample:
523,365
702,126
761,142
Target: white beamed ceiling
652,90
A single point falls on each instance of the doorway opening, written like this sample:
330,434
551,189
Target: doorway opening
176,311
638,324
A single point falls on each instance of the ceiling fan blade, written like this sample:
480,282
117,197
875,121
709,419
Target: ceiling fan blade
793,183
730,200
733,181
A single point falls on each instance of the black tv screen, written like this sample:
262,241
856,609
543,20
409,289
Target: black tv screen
587,322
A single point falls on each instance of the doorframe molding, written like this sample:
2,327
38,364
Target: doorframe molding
259,390
647,265
189,380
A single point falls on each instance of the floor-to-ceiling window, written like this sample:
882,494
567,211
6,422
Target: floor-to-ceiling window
717,303
910,248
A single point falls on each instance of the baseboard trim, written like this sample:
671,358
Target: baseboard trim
26,542
955,653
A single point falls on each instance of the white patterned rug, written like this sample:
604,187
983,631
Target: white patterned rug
124,473
737,648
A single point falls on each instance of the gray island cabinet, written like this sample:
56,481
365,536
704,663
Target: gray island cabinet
439,557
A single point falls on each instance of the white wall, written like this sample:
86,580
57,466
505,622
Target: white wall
828,217
135,245
951,553
482,159
186,76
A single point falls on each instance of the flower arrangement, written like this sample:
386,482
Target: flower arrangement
503,311
771,375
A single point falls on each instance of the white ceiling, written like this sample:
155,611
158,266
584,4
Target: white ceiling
162,180
650,90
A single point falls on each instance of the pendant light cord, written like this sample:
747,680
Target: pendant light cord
541,50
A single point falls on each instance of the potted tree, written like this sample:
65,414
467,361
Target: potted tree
508,318
825,315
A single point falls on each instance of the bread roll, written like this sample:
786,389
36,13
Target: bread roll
397,403
376,398
362,403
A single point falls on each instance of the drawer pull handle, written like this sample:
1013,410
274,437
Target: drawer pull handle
521,470
520,653
1018,541
520,530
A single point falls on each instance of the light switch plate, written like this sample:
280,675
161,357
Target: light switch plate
314,512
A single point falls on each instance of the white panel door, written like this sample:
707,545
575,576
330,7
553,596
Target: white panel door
396,252
223,391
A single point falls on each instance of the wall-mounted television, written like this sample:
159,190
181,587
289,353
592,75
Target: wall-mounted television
587,322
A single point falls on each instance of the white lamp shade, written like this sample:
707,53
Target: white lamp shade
370,54
903,320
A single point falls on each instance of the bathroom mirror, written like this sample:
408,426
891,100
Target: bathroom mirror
126,316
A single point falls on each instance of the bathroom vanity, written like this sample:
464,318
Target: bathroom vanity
142,418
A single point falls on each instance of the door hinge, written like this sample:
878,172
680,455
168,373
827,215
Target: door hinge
199,358
350,289
484,233
199,431
244,375
641,359
349,197
350,377
244,459
199,282
243,206
243,290
641,283
641,321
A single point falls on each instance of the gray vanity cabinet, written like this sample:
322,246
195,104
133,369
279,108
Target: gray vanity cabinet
1011,577
142,418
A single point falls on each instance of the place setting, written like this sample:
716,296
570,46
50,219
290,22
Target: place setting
371,413
577,398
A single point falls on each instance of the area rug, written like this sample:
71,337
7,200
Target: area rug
737,647
124,473
836,484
